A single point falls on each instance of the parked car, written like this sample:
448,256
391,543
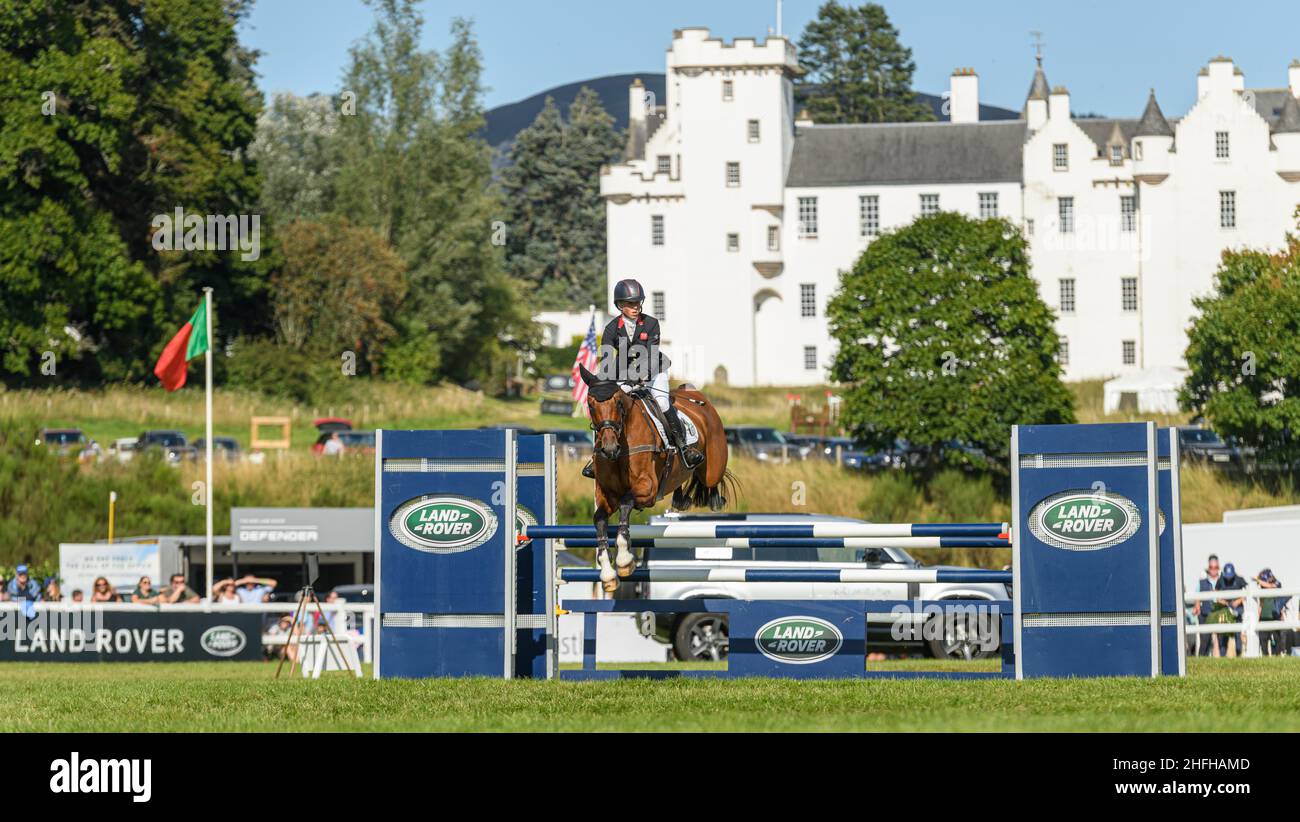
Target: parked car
171,444
358,442
557,394
226,448
572,443
802,445
123,448
327,426
759,442
703,636
66,442
1204,446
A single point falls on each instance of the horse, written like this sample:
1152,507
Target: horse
635,467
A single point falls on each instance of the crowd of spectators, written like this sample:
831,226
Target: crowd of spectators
1231,609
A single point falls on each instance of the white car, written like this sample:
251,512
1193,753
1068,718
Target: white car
703,636
123,449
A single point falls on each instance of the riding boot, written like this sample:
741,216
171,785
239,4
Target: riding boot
690,454
589,470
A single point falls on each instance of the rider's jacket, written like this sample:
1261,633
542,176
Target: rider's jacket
630,352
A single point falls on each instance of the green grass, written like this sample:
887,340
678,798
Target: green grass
1235,694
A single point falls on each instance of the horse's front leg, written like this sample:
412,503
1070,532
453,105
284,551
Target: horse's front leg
626,560
608,577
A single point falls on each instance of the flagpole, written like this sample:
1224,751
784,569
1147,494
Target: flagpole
207,441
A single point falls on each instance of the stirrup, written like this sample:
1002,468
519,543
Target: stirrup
589,470
691,456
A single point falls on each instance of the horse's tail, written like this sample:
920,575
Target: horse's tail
701,495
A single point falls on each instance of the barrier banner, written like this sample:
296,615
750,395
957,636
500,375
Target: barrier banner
93,635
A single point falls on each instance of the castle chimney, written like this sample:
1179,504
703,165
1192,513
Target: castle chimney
964,96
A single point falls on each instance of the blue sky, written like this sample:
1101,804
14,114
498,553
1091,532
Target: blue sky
1108,52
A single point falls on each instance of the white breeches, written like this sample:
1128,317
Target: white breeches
658,388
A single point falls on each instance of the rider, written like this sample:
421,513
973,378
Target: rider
638,334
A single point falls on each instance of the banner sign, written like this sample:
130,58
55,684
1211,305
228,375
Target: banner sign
97,635
122,563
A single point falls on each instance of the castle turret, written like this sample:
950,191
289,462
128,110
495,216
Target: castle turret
1035,110
1286,136
1153,141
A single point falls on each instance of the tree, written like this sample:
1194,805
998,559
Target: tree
943,340
295,149
556,227
114,113
856,70
1243,351
414,169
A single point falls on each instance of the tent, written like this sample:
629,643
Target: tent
1151,390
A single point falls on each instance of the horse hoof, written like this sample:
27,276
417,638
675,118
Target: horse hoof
610,586
625,571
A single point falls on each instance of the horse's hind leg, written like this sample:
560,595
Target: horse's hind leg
608,577
626,560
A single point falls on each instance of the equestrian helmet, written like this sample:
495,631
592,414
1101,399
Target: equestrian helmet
628,291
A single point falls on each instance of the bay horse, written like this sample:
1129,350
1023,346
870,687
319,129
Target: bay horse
635,468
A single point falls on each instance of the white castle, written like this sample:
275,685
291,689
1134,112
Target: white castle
738,217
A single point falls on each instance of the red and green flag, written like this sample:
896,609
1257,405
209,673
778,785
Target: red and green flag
189,342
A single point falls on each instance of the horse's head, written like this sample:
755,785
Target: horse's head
607,408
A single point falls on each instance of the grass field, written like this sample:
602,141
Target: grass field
1218,695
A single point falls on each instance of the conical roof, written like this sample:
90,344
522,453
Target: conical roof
1153,123
1038,89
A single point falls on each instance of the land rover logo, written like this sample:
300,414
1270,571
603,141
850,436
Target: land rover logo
798,640
1084,520
223,640
523,517
443,524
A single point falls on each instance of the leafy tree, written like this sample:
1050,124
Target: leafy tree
557,219
856,70
336,290
1243,351
943,339
297,154
414,170
113,113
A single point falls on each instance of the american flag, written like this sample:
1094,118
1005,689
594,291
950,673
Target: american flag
587,359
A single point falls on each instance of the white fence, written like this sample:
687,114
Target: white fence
1250,623
361,631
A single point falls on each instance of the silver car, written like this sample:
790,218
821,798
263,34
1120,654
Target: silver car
703,636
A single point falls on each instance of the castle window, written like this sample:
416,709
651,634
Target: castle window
1067,295
1060,157
1137,149
807,216
1128,213
1227,209
1065,214
728,91
929,204
773,238
1128,287
1220,145
807,299
1117,155
1129,348
753,131
810,358
657,229
1063,352
733,175
869,215
657,304
733,242
988,205
663,164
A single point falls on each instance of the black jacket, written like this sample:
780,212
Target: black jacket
630,353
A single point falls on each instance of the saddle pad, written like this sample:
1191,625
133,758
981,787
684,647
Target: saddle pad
688,427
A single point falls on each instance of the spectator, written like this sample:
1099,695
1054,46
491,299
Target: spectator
4,589
255,589
1204,607
144,594
224,592
1229,610
178,593
77,595
52,590
333,446
22,587
103,592
1271,608
336,619
284,628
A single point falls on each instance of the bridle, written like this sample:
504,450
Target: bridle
616,425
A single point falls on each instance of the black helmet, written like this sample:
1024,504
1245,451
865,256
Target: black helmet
628,291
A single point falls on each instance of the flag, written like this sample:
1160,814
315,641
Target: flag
189,342
587,359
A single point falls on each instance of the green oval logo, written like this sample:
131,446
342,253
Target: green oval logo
443,524
798,640
223,640
1085,520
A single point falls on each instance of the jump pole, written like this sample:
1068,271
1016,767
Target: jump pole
805,542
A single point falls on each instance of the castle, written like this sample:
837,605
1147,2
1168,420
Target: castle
738,215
